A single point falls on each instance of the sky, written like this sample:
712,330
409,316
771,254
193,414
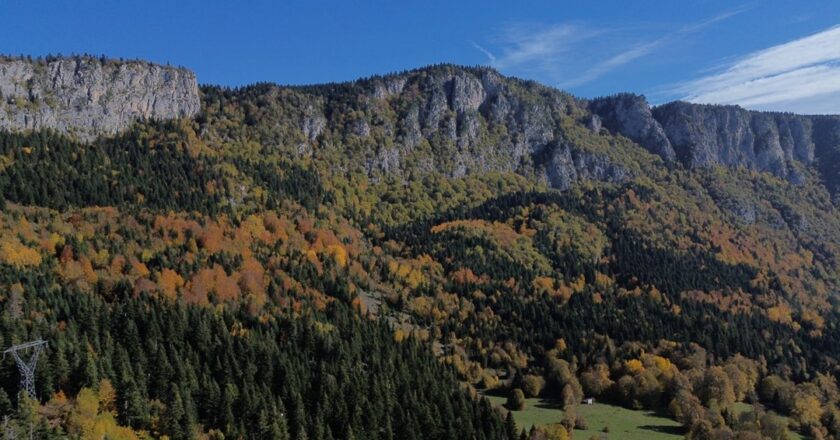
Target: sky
781,55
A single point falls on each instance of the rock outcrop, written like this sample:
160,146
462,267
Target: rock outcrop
701,135
447,119
87,97
568,165
704,135
630,115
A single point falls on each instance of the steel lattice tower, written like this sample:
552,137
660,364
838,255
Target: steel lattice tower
27,367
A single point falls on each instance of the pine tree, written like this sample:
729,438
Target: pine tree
176,415
510,426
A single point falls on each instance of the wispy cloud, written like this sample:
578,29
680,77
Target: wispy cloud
645,48
539,49
570,55
486,52
802,76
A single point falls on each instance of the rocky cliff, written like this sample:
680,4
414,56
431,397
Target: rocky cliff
631,116
448,119
700,135
459,120
86,97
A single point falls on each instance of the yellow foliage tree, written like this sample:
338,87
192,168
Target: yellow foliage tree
634,366
338,253
169,282
89,423
15,253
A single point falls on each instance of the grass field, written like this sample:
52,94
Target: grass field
624,424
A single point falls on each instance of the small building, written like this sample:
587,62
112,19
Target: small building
589,401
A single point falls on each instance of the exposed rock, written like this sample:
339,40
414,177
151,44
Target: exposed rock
705,135
467,93
388,87
386,161
700,135
304,149
499,108
594,124
436,107
313,123
459,120
87,97
468,128
567,166
537,127
630,116
410,127
443,119
361,128
826,130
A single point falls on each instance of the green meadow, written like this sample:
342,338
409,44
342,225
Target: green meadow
622,423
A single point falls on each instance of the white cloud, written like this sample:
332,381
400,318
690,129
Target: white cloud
802,75
602,68
570,55
540,50
486,52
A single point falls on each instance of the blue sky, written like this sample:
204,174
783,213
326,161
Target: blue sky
777,55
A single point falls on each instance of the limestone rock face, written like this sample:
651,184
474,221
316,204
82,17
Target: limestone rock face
700,135
475,119
467,93
567,166
86,97
704,135
630,115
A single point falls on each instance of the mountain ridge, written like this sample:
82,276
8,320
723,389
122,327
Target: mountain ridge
475,117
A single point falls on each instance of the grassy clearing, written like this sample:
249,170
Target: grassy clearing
623,423
627,424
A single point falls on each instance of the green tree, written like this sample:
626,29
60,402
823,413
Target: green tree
516,400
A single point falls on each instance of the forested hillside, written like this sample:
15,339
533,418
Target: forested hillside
362,260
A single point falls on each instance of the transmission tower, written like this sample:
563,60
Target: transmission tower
27,367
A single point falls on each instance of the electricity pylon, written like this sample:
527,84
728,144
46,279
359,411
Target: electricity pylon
27,367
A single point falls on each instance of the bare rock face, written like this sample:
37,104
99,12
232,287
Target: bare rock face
446,119
567,166
827,150
313,122
594,124
700,135
460,112
467,93
630,116
705,135
86,97
458,121
386,88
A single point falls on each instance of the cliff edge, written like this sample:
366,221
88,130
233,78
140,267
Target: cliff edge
85,97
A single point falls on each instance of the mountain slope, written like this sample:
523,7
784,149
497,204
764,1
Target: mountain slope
530,239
